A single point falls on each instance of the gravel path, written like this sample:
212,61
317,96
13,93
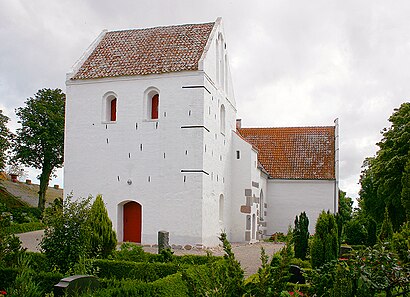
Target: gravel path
247,254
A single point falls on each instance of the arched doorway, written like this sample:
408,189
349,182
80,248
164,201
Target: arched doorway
132,220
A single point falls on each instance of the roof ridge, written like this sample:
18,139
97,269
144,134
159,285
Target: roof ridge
286,127
158,27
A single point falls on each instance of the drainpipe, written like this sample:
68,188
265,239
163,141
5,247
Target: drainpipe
336,194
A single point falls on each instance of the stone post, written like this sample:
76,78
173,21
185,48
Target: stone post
163,241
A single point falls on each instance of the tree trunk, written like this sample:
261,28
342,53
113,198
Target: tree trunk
44,180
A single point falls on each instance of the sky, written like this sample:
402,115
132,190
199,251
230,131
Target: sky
293,62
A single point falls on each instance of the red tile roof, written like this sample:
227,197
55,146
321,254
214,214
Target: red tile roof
146,51
294,153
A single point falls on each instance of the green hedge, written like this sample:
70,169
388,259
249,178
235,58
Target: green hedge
39,262
195,259
7,277
147,272
47,280
135,253
24,227
170,286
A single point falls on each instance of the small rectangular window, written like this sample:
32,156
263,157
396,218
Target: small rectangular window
238,155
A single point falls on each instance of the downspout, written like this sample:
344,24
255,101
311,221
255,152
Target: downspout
336,193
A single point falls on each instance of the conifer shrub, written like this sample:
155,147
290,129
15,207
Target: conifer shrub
102,237
386,232
325,244
301,236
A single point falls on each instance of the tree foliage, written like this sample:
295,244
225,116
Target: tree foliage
385,178
325,243
301,235
356,232
67,236
102,238
39,142
5,137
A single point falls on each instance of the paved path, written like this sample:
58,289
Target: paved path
30,240
247,254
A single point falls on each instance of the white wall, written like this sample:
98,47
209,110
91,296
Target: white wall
288,198
93,166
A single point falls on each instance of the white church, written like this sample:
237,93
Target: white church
151,125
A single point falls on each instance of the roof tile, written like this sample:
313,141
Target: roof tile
147,51
294,153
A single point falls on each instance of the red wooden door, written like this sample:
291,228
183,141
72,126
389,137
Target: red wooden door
132,222
154,107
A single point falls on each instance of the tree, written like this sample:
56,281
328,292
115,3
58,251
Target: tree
103,238
40,140
325,243
5,137
67,236
344,214
385,179
301,235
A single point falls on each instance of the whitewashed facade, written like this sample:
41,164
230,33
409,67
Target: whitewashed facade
186,169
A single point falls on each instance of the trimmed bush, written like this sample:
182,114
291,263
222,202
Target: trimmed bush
47,280
135,253
170,286
39,262
147,272
131,252
24,227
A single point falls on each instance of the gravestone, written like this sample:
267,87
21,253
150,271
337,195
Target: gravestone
75,284
163,241
296,276
345,251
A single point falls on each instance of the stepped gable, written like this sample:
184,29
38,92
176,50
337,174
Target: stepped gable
146,51
296,152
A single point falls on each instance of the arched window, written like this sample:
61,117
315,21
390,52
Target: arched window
221,208
113,113
154,107
151,104
220,61
109,108
222,119
217,60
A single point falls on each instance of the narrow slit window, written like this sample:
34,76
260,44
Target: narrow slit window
113,114
238,155
154,107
